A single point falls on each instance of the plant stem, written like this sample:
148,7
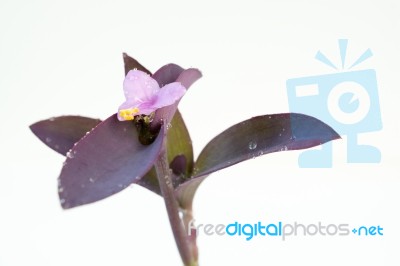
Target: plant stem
171,204
187,218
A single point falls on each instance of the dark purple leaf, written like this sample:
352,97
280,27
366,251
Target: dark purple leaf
70,129
61,133
188,77
165,114
255,137
130,63
167,74
104,162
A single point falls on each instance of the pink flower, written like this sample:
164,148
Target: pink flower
144,95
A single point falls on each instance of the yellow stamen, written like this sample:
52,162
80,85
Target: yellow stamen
128,114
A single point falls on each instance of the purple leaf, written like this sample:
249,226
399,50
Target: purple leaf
165,114
61,133
104,162
130,63
70,129
188,77
167,74
255,137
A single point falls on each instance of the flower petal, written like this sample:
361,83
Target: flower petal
169,94
139,87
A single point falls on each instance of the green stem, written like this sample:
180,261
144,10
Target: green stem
171,204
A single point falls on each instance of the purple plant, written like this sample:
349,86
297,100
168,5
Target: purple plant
147,143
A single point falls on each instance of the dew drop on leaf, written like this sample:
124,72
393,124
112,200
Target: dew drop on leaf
70,154
252,145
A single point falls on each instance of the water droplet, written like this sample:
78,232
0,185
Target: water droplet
124,129
252,145
52,119
280,134
61,189
91,180
269,117
48,140
195,170
57,147
70,154
169,125
120,185
65,163
62,201
87,133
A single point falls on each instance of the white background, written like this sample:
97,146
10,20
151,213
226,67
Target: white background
61,58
